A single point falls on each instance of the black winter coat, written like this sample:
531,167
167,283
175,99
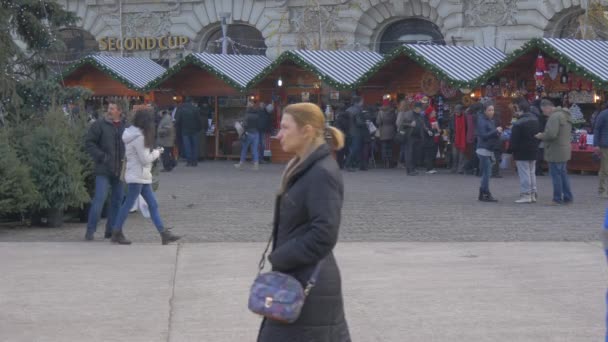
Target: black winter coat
188,119
523,145
104,144
306,223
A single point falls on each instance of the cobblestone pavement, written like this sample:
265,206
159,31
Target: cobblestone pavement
217,203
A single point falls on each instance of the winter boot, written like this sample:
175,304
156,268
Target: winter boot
488,197
119,238
166,236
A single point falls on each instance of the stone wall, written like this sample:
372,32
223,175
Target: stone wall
289,24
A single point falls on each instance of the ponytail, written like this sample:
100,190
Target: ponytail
337,138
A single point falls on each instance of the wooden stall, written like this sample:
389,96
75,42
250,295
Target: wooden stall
572,73
443,74
112,77
216,82
321,77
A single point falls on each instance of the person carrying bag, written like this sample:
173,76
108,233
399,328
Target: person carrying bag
301,300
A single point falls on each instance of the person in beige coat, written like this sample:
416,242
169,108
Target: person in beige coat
165,138
558,149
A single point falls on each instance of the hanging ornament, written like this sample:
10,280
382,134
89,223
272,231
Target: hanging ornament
564,78
447,90
539,74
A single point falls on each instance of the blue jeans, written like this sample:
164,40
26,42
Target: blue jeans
354,154
253,140
485,168
133,193
561,183
101,192
191,145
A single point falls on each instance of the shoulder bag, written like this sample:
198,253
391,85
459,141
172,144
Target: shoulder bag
279,296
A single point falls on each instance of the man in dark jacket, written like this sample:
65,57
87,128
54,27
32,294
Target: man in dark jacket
251,137
524,147
356,130
264,127
600,141
342,123
542,121
188,119
105,146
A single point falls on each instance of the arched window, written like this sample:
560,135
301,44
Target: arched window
409,31
77,43
578,24
244,40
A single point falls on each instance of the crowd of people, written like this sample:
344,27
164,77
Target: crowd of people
471,141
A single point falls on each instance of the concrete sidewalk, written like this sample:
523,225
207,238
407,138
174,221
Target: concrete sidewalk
533,291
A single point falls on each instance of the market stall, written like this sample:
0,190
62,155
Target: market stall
321,77
218,84
112,78
572,73
445,75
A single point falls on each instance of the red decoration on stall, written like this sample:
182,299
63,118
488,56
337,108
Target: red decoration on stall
580,85
539,74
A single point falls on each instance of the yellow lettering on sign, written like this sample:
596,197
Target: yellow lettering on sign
150,43
103,45
160,43
172,42
183,41
129,44
140,43
112,44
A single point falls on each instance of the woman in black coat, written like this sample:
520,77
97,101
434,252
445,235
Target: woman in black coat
306,223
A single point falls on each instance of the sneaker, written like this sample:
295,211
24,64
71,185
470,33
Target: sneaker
534,197
256,166
238,166
431,172
524,199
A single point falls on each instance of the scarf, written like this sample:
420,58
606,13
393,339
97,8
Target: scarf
460,138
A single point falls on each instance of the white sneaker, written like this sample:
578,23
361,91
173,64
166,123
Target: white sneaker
534,197
238,166
524,199
431,172
256,166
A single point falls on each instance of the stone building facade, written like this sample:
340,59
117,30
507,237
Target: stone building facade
169,30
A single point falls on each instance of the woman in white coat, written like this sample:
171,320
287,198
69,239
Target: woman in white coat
140,154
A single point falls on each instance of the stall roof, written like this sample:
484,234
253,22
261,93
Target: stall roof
236,70
135,73
461,66
587,58
340,69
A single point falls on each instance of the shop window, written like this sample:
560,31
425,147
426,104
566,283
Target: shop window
409,31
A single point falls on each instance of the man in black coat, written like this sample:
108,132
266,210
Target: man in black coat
356,133
542,121
188,120
524,147
105,146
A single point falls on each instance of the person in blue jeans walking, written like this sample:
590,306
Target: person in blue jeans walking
251,137
556,139
139,143
488,136
104,144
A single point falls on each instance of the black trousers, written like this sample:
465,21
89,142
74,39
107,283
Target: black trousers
430,155
167,159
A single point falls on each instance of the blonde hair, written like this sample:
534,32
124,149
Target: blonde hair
310,114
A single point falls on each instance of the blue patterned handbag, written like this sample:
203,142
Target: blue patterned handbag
279,296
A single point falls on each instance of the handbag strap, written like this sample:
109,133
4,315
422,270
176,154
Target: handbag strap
312,281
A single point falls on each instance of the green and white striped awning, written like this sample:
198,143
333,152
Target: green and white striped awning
591,55
236,70
135,73
462,66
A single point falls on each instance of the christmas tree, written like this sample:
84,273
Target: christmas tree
577,115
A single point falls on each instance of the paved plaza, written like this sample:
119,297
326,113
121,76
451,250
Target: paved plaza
421,260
